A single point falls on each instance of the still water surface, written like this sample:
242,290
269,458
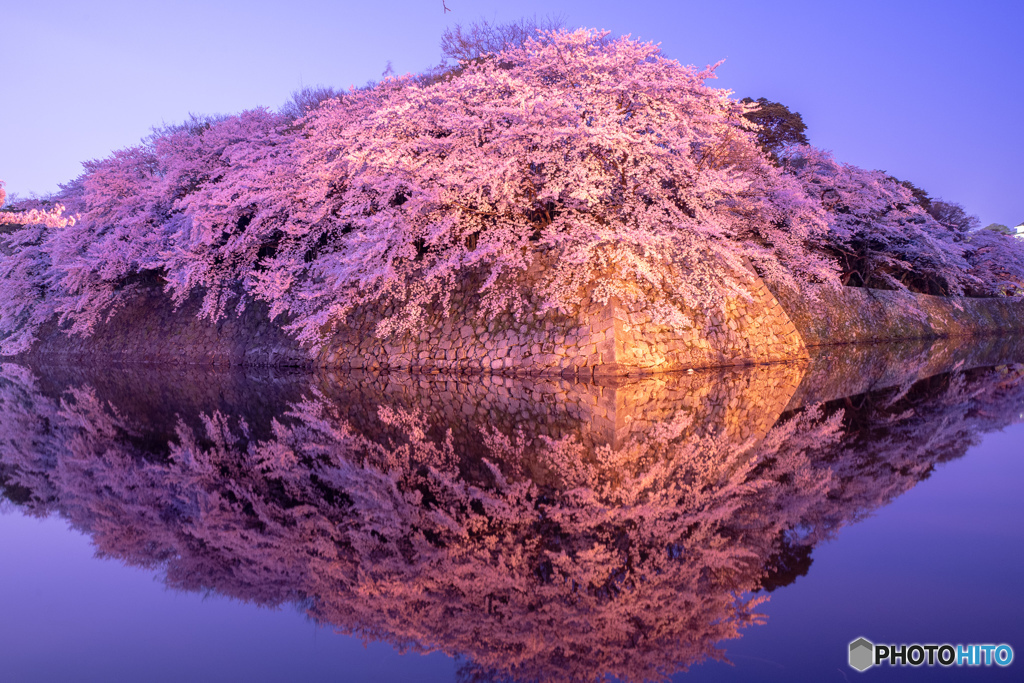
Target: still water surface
169,525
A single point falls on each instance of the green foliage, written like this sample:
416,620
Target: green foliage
999,228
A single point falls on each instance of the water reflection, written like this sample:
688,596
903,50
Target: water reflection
537,530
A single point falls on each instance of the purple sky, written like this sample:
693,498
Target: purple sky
930,91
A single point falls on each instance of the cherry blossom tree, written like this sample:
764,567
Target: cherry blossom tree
24,270
51,218
617,165
567,165
878,232
997,263
952,216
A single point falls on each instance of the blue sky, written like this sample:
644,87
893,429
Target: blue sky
929,91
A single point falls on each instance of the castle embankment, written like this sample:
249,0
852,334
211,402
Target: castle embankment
599,339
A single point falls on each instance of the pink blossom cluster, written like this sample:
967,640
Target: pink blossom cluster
882,237
620,167
34,212
53,218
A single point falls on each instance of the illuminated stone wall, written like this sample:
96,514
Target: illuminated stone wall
600,339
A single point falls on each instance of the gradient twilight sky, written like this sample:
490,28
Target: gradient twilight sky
928,90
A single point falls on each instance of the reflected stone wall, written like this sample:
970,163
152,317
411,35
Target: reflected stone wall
842,370
739,405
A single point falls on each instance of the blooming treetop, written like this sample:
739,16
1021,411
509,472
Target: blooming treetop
618,161
881,236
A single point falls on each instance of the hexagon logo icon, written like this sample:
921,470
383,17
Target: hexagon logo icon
862,654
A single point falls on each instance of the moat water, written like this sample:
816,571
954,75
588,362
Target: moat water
747,524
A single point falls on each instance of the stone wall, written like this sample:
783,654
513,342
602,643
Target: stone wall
148,329
599,339
855,314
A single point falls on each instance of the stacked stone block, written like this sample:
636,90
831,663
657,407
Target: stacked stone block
846,315
748,329
149,329
599,339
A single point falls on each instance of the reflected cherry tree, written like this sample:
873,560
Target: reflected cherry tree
535,530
